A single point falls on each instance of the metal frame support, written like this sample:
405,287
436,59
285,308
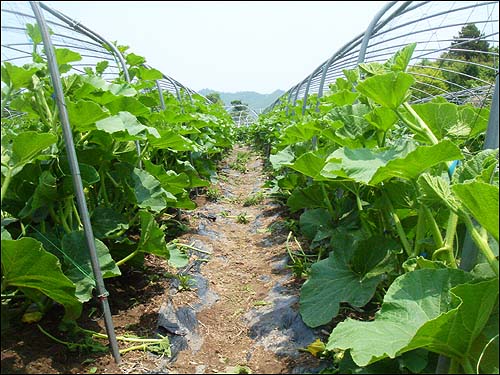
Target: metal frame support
299,86
77,181
160,94
491,140
369,31
91,34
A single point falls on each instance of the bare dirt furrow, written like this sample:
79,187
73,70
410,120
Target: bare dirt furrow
242,311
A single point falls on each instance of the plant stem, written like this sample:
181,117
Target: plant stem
6,183
468,368
117,234
327,200
397,223
115,184
136,347
192,248
68,211
412,126
453,366
424,128
358,202
53,215
451,230
123,338
102,189
77,215
128,257
420,230
481,243
64,223
436,233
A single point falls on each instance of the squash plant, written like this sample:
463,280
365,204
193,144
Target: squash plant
374,180
130,196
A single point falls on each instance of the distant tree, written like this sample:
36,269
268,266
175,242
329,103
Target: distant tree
238,106
430,80
214,97
468,43
464,66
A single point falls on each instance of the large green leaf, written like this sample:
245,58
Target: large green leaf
78,266
354,124
169,139
150,74
412,300
177,257
389,90
343,277
481,166
454,332
282,158
308,197
148,191
481,200
83,114
25,264
106,221
299,132
315,220
64,56
26,148
152,237
399,62
126,122
153,241
45,193
344,97
362,163
410,166
133,59
17,77
436,190
128,104
486,347
172,182
449,120
194,178
310,164
382,118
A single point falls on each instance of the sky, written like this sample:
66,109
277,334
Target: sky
228,46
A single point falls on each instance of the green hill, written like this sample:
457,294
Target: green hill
254,100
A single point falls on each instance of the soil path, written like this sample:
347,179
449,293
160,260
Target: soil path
242,313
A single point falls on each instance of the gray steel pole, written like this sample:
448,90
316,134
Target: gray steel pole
369,31
297,93
160,93
308,86
77,181
491,140
81,28
469,250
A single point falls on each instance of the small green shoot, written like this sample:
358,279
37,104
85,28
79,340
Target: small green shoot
240,164
214,194
241,218
254,199
301,265
186,282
